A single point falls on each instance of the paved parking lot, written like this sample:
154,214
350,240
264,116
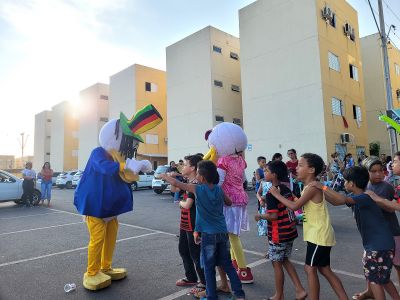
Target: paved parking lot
41,249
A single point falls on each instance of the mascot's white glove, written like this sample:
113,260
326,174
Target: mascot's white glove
138,165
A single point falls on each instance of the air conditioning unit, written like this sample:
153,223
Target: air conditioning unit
398,94
348,30
166,139
327,13
345,138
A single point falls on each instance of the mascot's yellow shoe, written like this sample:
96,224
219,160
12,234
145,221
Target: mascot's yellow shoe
115,273
96,282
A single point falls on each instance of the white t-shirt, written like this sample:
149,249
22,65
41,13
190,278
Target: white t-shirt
30,173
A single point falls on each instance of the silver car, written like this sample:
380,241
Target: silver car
11,189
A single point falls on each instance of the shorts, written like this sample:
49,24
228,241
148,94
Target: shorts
396,258
377,266
317,255
279,251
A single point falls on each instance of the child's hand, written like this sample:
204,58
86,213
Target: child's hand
274,191
374,196
262,203
197,239
316,184
257,217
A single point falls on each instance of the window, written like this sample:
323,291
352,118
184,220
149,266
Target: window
219,118
398,94
74,153
337,107
235,88
397,69
152,139
217,49
353,72
237,121
334,62
49,120
151,87
103,119
47,153
357,113
103,97
234,56
218,83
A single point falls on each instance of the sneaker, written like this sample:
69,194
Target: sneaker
185,282
245,275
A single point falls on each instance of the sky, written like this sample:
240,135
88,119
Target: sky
52,49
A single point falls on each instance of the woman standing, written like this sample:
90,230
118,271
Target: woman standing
28,185
46,174
292,163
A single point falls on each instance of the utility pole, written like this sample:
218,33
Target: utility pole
23,143
389,100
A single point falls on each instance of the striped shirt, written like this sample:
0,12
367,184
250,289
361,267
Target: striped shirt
188,216
282,229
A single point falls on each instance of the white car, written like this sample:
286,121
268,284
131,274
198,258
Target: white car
145,180
11,189
76,178
158,184
64,180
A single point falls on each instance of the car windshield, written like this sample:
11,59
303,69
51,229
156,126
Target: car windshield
161,169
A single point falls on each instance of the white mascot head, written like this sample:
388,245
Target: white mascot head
225,139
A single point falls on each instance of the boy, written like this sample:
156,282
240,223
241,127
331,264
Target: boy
317,228
261,161
281,230
375,231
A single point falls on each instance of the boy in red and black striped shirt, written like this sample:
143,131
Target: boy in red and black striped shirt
281,230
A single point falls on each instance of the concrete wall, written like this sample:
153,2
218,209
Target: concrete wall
281,79
42,139
122,93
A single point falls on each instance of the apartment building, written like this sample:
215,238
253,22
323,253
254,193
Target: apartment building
41,146
64,137
375,89
21,161
7,162
204,88
130,90
301,78
93,114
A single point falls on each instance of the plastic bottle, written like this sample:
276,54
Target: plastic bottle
69,287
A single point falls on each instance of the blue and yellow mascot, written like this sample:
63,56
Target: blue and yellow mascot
104,191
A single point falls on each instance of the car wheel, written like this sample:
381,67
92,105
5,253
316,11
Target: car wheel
60,186
69,185
19,202
158,191
36,197
134,186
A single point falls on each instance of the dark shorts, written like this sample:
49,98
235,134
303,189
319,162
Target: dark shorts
378,266
317,255
279,251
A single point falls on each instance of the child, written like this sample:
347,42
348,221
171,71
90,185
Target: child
188,249
380,187
375,231
259,173
211,226
317,228
281,231
265,185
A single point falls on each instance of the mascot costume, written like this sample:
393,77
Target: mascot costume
104,191
227,142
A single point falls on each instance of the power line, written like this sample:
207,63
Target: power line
391,10
373,14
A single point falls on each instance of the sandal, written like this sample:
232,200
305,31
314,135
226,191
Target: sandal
221,291
361,296
198,288
200,295
185,282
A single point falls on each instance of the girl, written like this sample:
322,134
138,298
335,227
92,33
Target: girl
210,226
318,231
46,173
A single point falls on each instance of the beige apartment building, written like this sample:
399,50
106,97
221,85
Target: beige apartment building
93,114
375,89
204,88
7,162
41,147
20,162
302,82
130,90
64,137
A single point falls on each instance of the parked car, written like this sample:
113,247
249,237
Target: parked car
11,189
145,180
76,178
64,179
53,178
158,185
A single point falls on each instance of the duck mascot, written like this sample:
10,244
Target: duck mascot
227,143
104,191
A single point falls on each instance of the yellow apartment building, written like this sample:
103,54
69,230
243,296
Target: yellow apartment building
302,82
130,90
375,90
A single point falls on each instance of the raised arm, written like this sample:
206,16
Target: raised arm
331,196
385,204
293,205
191,188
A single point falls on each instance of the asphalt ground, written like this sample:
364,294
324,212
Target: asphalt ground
42,249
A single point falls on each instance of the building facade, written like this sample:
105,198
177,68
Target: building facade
130,90
64,137
204,88
375,89
301,76
93,114
7,162
41,147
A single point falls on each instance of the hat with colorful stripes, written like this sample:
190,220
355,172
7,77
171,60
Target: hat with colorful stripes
145,119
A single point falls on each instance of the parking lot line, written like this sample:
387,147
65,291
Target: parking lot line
27,216
40,228
68,251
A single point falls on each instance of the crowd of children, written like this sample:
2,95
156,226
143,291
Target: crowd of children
213,213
